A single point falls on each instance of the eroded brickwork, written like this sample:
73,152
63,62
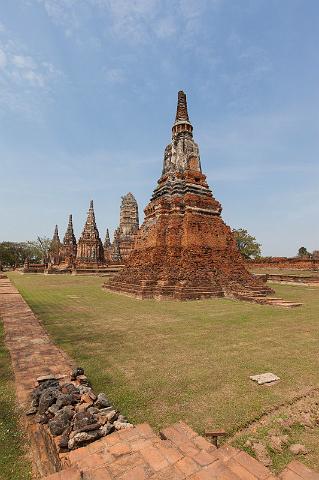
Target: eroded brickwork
54,254
90,247
294,263
184,250
69,247
129,223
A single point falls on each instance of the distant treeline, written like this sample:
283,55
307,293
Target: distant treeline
14,254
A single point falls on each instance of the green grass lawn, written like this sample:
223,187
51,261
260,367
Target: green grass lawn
13,464
164,361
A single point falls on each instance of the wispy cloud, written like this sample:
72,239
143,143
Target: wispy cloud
115,75
135,20
63,12
24,79
23,62
3,59
131,18
165,28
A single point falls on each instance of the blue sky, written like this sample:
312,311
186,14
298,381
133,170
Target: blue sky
88,94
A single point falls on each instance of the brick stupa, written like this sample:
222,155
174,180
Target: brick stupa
90,248
129,223
184,250
55,247
69,245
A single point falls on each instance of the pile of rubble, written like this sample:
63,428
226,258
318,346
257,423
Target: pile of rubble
73,412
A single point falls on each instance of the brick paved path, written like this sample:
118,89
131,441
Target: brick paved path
32,351
32,354
139,454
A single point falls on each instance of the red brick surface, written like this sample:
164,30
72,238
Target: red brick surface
252,465
296,470
187,466
99,474
154,458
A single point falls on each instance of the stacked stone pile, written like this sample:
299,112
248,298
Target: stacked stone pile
73,413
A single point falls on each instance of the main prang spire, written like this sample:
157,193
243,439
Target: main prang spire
181,111
182,123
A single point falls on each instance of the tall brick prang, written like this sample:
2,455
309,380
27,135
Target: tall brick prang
184,250
107,241
69,246
90,247
54,253
129,224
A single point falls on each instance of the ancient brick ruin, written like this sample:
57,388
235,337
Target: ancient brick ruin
89,252
124,235
293,263
69,247
107,247
54,254
90,248
184,250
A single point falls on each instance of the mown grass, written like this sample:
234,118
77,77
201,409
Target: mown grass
164,361
13,463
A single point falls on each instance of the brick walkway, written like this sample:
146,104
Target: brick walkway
32,354
139,454
31,349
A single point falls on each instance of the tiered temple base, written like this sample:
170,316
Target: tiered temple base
184,251
185,274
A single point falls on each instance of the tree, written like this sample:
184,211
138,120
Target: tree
247,244
39,249
14,254
303,252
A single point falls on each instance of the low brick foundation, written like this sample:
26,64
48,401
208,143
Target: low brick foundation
293,279
294,263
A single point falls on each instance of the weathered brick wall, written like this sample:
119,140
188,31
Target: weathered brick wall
285,262
34,268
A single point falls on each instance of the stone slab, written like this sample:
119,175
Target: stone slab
263,378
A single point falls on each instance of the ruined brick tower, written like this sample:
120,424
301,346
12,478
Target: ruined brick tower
90,247
107,246
116,251
184,250
129,224
107,241
69,245
54,253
